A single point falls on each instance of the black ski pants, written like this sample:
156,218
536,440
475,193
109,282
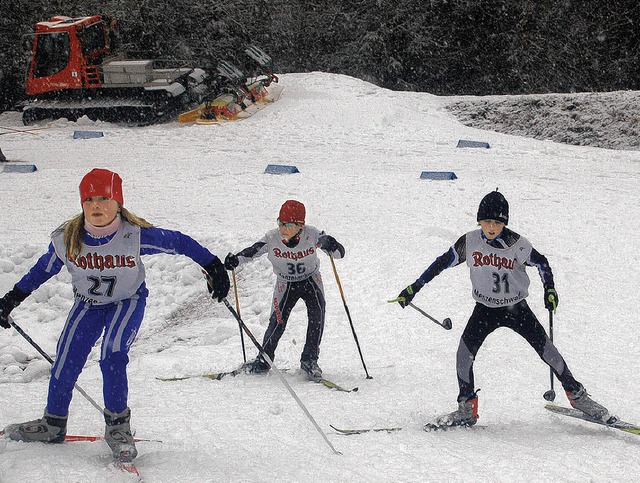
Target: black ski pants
519,318
285,297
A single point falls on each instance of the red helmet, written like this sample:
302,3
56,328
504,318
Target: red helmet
292,211
101,182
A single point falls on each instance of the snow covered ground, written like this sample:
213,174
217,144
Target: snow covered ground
598,119
360,150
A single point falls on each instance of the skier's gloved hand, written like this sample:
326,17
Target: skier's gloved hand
328,243
10,301
231,261
550,298
406,296
331,245
217,280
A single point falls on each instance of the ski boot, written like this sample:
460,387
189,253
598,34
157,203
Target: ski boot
258,366
465,416
311,369
118,435
579,399
48,429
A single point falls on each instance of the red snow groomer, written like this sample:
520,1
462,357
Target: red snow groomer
75,70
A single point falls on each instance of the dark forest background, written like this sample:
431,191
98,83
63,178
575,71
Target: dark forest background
460,47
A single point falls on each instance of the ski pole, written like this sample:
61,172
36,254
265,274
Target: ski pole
50,360
346,308
235,292
550,395
446,323
277,371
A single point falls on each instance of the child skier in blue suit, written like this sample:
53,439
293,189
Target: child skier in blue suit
101,249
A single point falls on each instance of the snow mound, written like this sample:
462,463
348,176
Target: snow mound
604,120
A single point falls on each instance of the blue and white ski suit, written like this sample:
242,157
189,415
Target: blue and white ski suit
110,298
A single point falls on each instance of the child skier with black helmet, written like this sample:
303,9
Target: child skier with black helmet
101,249
497,258
292,250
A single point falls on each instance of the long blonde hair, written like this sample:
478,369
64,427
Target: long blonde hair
73,230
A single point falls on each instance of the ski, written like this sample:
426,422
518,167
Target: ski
430,427
127,467
333,385
215,376
349,432
575,413
74,438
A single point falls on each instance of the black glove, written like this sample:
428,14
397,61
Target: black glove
10,301
217,280
550,298
406,296
328,243
231,262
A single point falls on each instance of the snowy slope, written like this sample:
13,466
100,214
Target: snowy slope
360,150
